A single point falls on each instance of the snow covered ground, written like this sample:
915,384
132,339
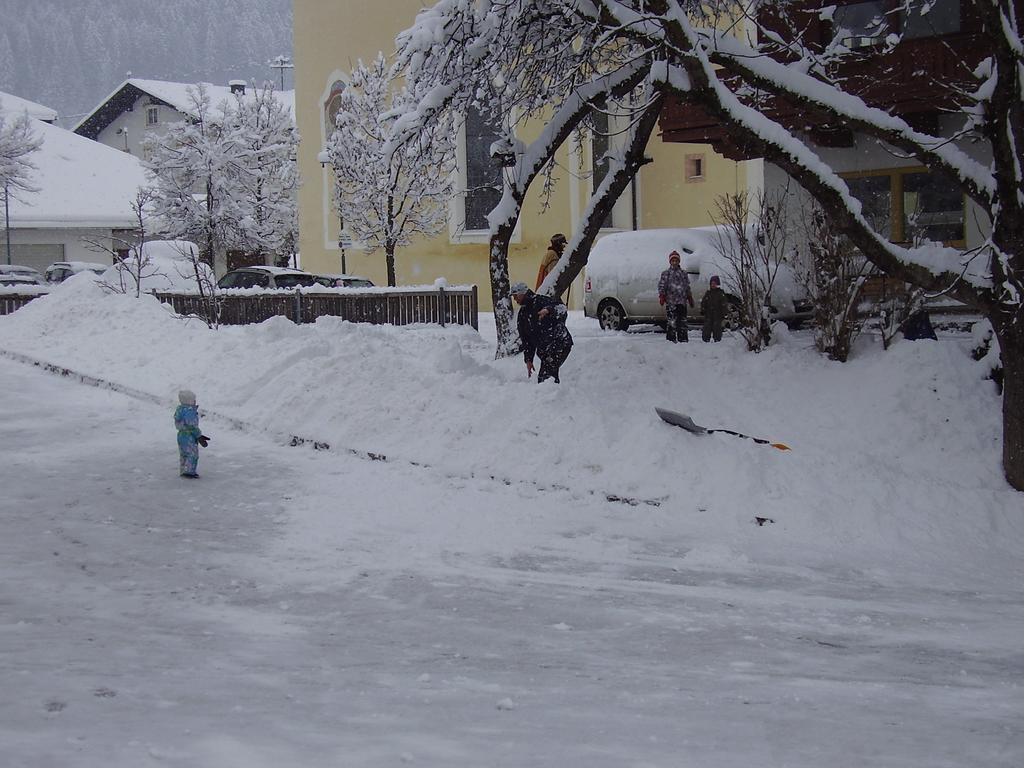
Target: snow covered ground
480,597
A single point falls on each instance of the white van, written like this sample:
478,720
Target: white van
622,274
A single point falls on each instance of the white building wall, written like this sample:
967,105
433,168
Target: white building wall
74,244
128,130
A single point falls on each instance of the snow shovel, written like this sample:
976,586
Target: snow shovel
684,421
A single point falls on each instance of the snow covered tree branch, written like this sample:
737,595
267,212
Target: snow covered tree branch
388,192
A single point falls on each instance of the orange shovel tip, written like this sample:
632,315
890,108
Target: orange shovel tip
781,446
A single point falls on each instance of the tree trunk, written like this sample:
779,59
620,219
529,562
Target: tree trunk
614,184
508,336
1011,347
389,244
389,258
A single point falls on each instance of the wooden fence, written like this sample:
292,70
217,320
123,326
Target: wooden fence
441,306
9,302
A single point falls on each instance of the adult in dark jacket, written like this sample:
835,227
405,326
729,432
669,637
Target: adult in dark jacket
713,306
674,294
542,330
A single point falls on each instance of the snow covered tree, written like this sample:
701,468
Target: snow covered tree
17,143
227,178
201,172
514,62
387,193
766,73
267,133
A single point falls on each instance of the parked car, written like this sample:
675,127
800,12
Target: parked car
60,271
344,281
621,286
266,277
8,279
18,269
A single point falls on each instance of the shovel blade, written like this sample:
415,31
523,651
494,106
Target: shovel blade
680,420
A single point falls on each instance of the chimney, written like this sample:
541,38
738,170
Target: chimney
237,86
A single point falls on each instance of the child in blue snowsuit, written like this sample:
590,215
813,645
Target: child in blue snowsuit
186,421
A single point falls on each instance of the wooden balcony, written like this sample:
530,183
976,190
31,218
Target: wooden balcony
912,80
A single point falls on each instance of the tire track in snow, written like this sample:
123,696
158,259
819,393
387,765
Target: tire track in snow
317,445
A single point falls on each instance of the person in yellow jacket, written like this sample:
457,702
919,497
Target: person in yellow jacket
554,253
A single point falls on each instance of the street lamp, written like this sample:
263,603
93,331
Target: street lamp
7,220
324,159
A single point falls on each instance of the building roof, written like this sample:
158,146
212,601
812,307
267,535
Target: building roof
173,95
81,184
12,104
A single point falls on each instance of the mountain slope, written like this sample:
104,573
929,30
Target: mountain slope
69,54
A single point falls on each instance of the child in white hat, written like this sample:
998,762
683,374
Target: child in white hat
190,437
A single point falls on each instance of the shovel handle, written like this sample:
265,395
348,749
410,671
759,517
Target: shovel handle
758,440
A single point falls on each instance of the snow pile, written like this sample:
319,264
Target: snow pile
893,455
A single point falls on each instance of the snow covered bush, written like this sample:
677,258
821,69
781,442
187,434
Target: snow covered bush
754,241
833,274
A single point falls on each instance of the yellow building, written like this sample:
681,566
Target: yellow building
677,190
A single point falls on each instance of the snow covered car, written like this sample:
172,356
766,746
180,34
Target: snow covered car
8,280
166,266
622,274
266,277
60,271
7,270
344,281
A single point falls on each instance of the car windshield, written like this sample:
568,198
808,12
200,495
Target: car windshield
358,284
244,280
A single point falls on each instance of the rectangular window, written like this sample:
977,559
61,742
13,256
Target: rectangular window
694,168
933,208
875,195
152,115
930,18
859,25
483,175
911,204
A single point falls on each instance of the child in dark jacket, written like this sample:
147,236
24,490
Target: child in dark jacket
186,421
713,306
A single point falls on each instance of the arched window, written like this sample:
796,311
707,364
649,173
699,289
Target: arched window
332,104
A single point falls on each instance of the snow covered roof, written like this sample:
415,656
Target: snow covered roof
12,104
172,94
81,184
